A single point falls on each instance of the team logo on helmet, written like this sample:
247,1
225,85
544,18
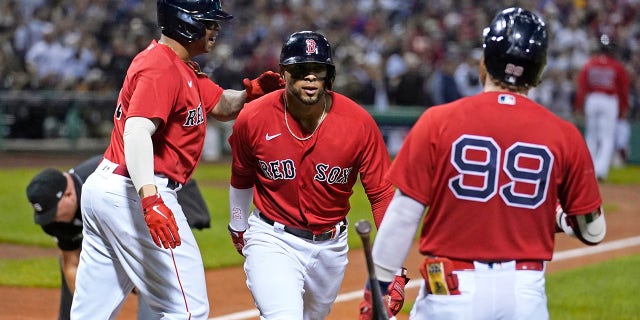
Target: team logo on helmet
312,48
308,47
513,72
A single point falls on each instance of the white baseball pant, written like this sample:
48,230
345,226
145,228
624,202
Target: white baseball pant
601,112
485,293
118,254
290,277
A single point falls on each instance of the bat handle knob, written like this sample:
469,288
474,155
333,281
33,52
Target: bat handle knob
363,227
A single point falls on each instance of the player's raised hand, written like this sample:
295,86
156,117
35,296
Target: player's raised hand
161,222
263,84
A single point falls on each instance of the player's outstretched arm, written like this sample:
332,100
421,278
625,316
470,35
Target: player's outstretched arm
229,105
232,101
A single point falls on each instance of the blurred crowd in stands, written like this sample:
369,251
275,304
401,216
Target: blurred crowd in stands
387,52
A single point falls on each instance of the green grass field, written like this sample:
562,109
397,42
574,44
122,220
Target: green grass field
601,291
215,245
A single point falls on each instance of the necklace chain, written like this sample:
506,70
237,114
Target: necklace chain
286,121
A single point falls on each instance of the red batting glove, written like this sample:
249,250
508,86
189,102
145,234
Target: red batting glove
393,296
161,222
366,306
263,84
395,292
237,237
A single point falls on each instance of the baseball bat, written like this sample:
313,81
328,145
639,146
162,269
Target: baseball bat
363,227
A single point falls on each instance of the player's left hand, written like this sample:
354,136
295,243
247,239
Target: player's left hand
562,225
393,296
237,237
263,84
161,222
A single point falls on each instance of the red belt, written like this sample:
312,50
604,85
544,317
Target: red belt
121,171
535,265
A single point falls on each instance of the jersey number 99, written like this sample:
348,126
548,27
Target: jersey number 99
526,165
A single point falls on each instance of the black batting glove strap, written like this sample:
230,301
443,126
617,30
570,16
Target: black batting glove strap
384,286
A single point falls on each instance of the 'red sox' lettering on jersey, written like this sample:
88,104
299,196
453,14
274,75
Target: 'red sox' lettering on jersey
278,169
195,117
297,153
331,175
286,169
312,181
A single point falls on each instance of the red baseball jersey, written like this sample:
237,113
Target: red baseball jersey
160,85
605,74
307,184
491,168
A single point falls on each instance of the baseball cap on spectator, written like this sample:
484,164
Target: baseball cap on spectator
44,192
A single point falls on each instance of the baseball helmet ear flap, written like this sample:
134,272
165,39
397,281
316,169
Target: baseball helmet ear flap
185,20
309,47
515,47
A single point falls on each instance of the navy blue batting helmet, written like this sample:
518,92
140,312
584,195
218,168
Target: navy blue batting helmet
515,47
308,47
185,20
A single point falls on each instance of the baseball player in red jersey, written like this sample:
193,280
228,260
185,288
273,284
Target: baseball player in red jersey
603,96
490,168
297,154
135,231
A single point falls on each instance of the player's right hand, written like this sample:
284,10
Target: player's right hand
161,222
392,296
268,81
237,237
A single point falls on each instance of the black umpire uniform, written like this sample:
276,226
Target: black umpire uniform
68,235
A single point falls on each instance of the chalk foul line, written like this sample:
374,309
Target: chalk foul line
557,256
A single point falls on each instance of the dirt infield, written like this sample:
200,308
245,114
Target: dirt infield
228,293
